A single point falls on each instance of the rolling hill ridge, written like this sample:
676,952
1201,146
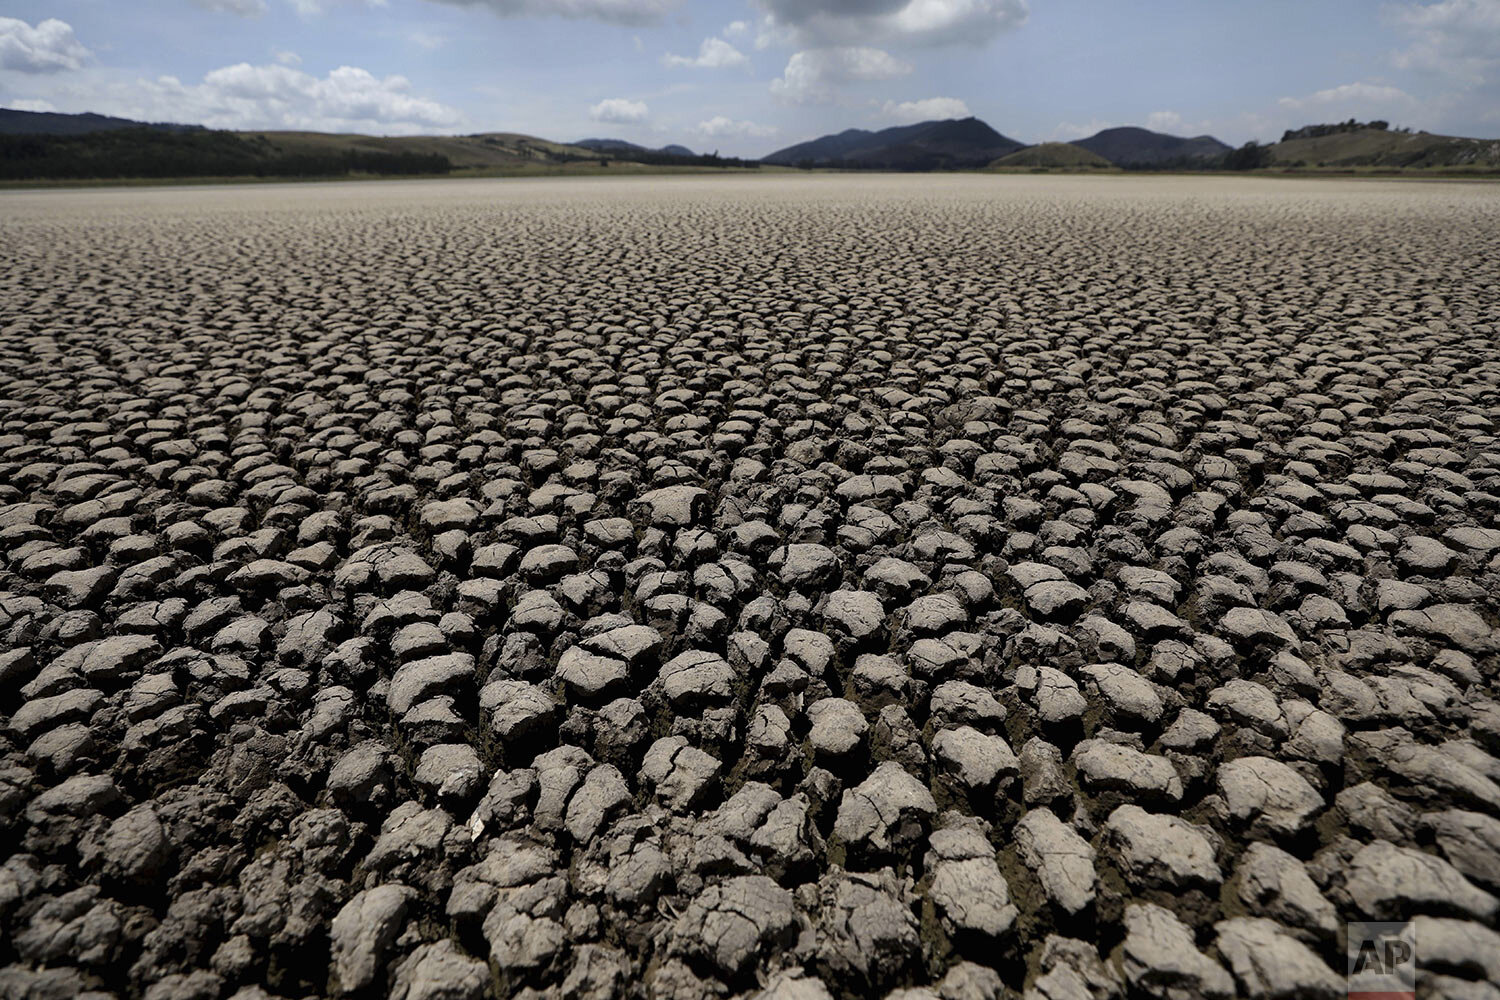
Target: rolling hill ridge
953,143
1130,146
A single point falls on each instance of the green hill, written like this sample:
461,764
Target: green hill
489,149
1373,147
119,154
1053,154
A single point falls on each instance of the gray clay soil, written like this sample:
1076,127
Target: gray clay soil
932,587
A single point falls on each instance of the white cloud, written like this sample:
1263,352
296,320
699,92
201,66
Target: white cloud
47,48
916,22
1068,131
1350,95
244,8
811,75
30,105
609,11
287,57
312,8
242,96
1457,38
713,53
1164,121
734,28
929,109
619,111
719,125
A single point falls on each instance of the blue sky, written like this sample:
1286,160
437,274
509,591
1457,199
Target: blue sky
750,76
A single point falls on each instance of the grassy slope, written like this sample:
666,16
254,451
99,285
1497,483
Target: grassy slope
495,149
1375,148
1053,154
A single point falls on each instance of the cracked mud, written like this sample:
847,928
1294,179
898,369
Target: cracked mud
936,587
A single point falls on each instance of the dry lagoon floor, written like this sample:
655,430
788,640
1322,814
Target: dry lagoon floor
789,586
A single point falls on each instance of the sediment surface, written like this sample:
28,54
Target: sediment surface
953,587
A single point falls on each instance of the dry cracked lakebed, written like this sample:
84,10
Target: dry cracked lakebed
944,587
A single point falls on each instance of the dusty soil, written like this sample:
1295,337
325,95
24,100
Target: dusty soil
952,587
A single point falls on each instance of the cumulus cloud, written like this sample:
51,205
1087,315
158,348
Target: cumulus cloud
1457,38
619,111
47,48
915,22
632,12
714,53
928,109
811,75
243,96
719,126
244,8
1349,95
1164,121
1068,131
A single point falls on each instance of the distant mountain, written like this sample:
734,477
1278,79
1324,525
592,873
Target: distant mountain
1052,154
1139,147
1378,147
950,144
621,146
13,122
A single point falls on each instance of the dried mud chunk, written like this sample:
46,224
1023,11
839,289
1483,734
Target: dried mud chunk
1161,959
866,931
838,728
680,775
975,760
1256,627
1044,780
1268,963
972,898
1104,766
1470,841
1070,969
1387,882
888,810
855,615
1274,884
439,971
1164,851
805,565
731,925
1455,625
420,680
1057,698
674,506
362,774
362,932
1062,860
696,677
136,848
451,771
517,710
1458,947
1274,799
602,794
590,675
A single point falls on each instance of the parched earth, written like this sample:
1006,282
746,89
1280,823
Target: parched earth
934,587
